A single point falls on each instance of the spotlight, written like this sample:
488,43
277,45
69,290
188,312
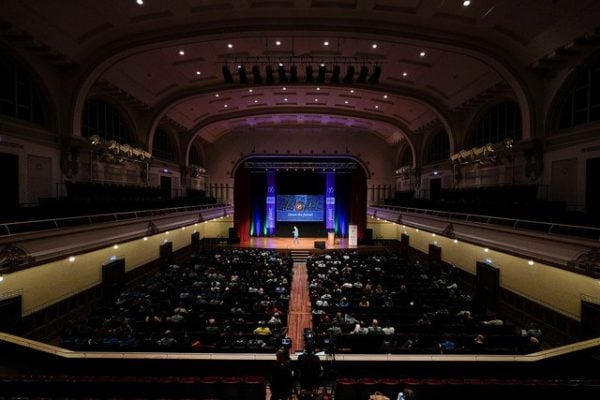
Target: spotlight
362,76
321,75
282,76
376,73
309,74
349,74
270,78
256,72
242,74
227,74
293,74
335,77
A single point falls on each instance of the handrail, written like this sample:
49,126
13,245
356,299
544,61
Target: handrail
588,232
13,228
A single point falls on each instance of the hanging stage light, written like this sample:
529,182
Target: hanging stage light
282,76
256,72
335,76
362,76
349,74
242,74
293,74
309,74
270,78
227,74
321,75
376,73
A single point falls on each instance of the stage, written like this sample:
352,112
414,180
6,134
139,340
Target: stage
288,243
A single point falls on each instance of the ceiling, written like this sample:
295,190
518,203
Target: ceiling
167,57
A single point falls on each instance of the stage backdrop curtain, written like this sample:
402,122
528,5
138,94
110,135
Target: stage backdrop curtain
242,204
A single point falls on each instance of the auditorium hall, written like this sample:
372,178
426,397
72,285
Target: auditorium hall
200,196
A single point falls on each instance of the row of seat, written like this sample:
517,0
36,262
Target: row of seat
465,389
207,387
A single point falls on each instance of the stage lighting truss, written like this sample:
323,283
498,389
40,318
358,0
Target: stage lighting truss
307,166
335,70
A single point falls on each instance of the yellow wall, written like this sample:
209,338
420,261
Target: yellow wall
49,283
553,287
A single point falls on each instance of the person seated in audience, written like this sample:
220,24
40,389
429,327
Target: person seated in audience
364,302
534,330
212,328
262,329
374,328
275,320
343,303
334,330
478,346
532,345
359,330
446,345
167,340
493,321
424,320
388,330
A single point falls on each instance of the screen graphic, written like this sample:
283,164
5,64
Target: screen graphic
300,207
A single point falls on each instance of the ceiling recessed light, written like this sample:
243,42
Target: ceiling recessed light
318,88
181,52
405,74
284,88
377,107
256,101
285,99
486,250
466,3
326,43
229,45
374,45
346,102
351,90
198,73
250,90
216,94
316,99
530,262
145,239
278,43
281,64
72,259
116,246
225,106
140,2
455,240
385,96
422,54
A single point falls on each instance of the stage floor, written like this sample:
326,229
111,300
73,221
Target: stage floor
288,243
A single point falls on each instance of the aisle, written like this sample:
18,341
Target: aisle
299,316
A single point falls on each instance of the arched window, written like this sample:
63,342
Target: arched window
583,101
194,156
19,96
162,146
407,159
102,119
439,148
501,122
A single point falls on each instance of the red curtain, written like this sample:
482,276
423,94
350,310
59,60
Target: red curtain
242,204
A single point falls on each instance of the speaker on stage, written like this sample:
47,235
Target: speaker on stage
319,244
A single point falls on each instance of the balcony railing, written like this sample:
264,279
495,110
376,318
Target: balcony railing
13,228
587,232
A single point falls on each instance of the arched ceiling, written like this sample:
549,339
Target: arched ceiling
167,56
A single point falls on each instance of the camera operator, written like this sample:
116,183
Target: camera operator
309,369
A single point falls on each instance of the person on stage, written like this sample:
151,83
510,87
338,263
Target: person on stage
296,233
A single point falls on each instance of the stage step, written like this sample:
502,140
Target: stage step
299,256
